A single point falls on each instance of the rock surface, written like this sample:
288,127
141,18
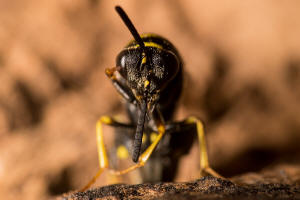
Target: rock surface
282,182
204,188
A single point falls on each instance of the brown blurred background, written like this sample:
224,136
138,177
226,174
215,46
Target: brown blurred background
242,60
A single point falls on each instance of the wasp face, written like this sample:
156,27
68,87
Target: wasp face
148,71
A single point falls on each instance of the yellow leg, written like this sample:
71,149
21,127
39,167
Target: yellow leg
145,155
102,156
205,169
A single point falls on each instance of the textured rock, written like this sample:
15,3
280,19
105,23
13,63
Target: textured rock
204,188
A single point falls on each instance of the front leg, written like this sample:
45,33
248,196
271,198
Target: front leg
120,84
102,156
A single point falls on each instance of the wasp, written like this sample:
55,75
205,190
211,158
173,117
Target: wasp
149,76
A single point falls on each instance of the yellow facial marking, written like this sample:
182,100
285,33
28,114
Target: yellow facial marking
106,120
153,136
144,60
122,152
146,83
144,139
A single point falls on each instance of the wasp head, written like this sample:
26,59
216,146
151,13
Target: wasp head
147,71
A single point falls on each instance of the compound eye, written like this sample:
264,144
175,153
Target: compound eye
123,62
127,60
166,66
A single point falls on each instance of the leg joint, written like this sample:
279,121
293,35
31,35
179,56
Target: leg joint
105,120
194,120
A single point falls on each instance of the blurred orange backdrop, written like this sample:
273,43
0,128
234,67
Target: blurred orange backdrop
242,65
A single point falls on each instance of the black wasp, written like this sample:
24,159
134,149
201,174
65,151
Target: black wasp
149,76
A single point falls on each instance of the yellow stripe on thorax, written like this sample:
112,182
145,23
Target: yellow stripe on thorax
148,35
147,44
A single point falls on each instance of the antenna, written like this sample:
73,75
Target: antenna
130,26
137,143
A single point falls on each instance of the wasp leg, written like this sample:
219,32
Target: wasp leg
120,84
102,156
205,169
145,155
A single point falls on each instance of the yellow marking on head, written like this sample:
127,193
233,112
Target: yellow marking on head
106,120
144,139
144,60
153,136
146,83
122,152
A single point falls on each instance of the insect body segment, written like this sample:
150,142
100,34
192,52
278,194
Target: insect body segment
149,76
